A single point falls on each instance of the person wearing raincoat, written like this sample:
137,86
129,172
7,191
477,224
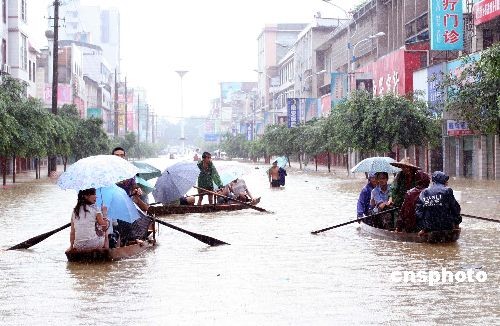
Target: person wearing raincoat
208,176
437,209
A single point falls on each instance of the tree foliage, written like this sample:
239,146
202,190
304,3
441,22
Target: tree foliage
473,95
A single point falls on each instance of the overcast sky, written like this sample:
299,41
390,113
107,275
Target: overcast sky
214,40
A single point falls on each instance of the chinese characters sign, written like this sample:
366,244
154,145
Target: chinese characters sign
485,10
457,128
292,105
447,25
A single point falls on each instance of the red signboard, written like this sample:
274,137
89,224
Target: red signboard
394,72
485,10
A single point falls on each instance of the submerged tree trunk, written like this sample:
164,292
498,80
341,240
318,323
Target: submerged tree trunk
329,160
316,161
65,162
36,168
4,170
300,162
13,168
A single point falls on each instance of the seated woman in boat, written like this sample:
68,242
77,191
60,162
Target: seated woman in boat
406,220
380,201
436,208
240,190
88,223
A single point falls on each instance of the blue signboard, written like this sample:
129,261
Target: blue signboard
211,137
292,106
446,24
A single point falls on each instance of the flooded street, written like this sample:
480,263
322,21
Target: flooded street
273,273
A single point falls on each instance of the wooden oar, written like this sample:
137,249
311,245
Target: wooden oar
260,209
481,218
356,220
39,238
203,238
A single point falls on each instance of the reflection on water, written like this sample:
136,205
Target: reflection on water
273,273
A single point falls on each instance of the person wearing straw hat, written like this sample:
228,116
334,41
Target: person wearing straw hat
406,220
404,180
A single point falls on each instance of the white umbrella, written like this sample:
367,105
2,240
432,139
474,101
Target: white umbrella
376,164
96,171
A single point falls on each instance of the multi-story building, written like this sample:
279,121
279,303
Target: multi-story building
93,25
273,43
17,56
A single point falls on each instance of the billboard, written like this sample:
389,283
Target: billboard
446,25
228,92
485,11
94,113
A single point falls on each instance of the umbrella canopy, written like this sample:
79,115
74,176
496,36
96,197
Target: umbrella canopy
175,181
144,184
95,172
119,204
282,161
146,171
376,164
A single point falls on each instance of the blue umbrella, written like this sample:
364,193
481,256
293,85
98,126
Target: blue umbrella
119,204
376,164
175,181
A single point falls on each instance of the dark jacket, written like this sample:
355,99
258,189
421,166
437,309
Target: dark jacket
437,208
282,174
363,207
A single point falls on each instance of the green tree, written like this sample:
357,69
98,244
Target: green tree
473,95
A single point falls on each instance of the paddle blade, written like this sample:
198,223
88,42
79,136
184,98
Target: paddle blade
39,238
201,237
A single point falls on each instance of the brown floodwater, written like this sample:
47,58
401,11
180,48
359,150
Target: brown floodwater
275,272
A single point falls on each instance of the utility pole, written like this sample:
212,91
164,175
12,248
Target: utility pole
116,106
181,74
126,102
153,128
138,121
147,122
55,58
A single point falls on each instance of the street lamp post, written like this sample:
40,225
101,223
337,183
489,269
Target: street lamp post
181,74
371,37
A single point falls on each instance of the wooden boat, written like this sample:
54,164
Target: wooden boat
431,237
185,209
99,255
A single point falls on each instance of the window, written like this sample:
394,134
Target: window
33,70
23,10
29,70
24,52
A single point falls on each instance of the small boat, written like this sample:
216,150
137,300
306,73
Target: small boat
430,237
112,254
186,209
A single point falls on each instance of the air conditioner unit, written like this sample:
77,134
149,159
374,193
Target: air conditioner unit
5,69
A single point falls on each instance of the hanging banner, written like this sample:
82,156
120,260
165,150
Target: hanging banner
447,25
292,106
338,87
